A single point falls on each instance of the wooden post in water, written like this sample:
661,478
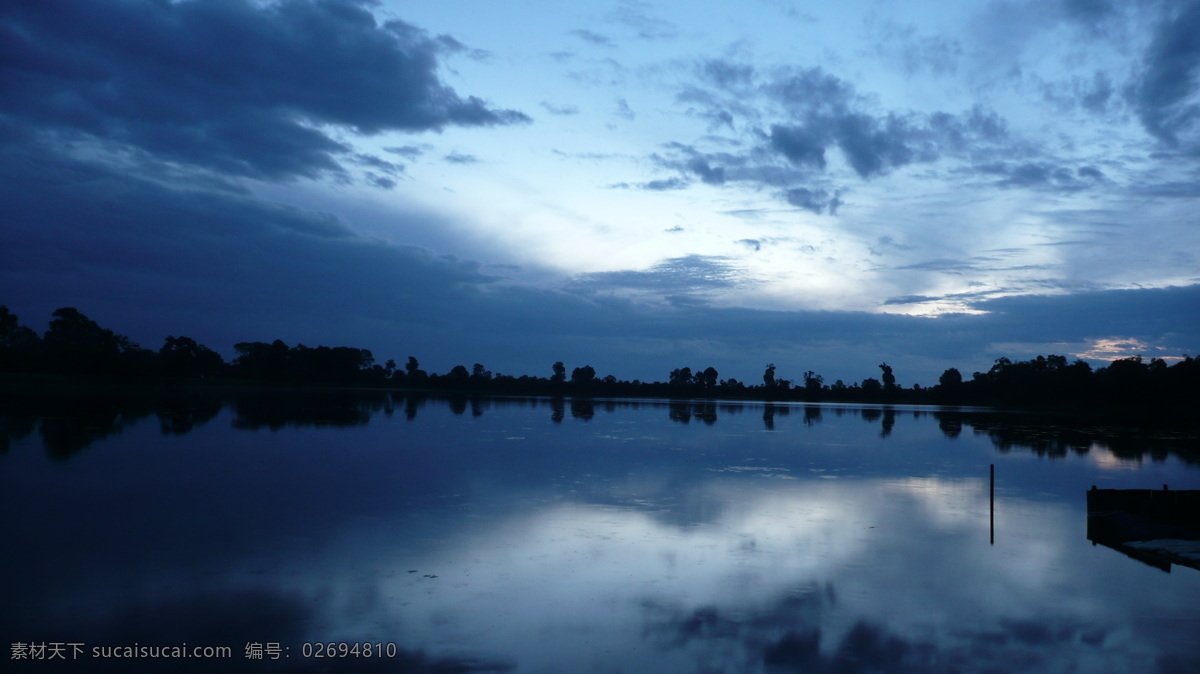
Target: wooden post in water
992,503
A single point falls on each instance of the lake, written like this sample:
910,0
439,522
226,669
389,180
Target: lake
335,531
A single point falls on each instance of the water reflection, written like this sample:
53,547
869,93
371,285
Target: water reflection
812,415
178,415
583,409
683,411
68,424
624,538
812,576
315,407
770,410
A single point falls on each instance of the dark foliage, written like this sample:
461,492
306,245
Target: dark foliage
76,346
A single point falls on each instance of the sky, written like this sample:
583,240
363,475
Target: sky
632,185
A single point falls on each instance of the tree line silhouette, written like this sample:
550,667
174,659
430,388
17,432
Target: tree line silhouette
74,346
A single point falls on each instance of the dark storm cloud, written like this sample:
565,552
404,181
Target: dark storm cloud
661,185
1095,95
677,275
600,72
718,119
1165,91
592,37
802,145
559,109
1088,12
873,146
900,300
746,213
1042,175
587,156
719,168
407,151
377,163
727,75
810,92
710,167
924,299
951,266
792,120
1184,189
812,200
382,182
623,109
635,15
213,262
713,98
913,53
1152,314
459,158
826,112
712,175
233,86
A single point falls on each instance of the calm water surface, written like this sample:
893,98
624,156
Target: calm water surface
541,536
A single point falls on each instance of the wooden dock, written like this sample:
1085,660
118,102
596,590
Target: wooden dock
1159,527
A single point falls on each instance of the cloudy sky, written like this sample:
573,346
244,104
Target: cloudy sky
633,185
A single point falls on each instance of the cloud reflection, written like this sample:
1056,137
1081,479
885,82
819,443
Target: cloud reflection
862,575
629,541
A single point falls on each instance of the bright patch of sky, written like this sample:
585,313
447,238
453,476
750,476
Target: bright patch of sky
623,95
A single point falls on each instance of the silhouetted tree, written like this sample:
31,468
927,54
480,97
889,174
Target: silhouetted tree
20,346
479,374
889,379
1181,381
681,377
733,385
339,365
262,362
769,376
415,375
813,383
75,344
951,379
582,376
458,376
184,357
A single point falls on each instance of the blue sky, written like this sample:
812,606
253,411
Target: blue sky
632,185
